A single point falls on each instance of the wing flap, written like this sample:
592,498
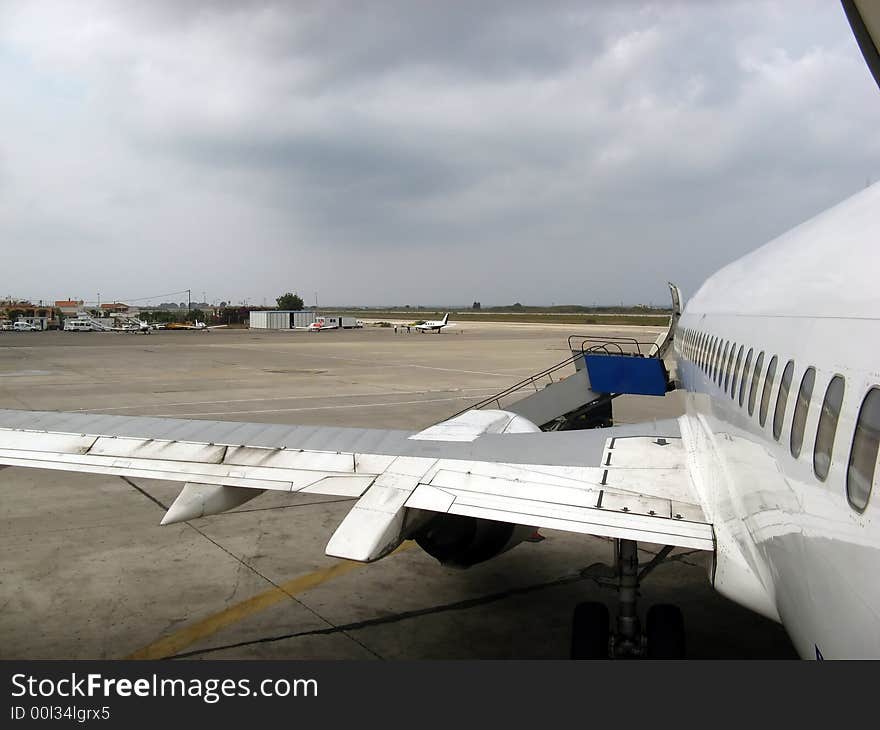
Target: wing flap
596,511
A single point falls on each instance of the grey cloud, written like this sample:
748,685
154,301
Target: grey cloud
536,152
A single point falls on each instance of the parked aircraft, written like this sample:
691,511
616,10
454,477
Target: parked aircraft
770,471
321,325
433,326
196,325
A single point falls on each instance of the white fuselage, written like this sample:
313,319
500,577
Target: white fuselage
789,544
433,325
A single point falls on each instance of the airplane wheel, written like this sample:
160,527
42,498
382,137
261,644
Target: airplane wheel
589,631
665,632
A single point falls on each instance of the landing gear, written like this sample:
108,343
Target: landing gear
664,630
589,631
663,637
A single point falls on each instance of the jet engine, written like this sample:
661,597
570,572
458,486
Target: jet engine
461,542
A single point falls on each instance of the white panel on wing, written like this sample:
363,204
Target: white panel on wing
590,521
290,459
144,469
62,443
156,449
430,498
413,466
687,511
372,463
384,496
546,475
644,452
340,486
663,483
636,503
549,493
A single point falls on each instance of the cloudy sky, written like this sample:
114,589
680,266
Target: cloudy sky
417,152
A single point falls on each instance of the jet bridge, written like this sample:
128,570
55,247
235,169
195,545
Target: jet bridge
604,368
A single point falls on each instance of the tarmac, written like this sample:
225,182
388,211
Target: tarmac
88,573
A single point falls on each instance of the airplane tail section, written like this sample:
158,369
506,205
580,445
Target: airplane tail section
446,318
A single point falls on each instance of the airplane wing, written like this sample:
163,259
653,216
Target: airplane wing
627,482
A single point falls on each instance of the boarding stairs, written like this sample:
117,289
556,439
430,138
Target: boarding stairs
555,399
96,324
124,323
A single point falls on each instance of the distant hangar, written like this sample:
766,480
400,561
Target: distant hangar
282,320
288,320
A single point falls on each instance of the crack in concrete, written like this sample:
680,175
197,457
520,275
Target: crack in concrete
250,567
396,618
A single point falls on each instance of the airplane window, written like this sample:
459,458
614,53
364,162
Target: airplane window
863,455
768,386
719,358
728,366
745,374
719,363
801,409
824,446
756,377
782,399
739,357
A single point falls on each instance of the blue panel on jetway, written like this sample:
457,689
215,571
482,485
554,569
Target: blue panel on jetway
626,374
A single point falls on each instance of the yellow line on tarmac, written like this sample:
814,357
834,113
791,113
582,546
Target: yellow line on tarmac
173,643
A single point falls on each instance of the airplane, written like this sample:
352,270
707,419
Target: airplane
433,326
187,326
770,470
320,325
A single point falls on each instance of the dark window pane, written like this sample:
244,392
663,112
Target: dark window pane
727,367
765,394
756,378
745,376
719,362
801,409
736,371
782,399
863,456
824,446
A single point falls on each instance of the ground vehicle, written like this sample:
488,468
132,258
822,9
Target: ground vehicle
5,324
77,325
22,326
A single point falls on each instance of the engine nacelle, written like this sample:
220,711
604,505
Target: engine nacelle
461,542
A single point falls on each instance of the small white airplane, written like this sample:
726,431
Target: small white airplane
770,471
187,326
433,326
322,325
